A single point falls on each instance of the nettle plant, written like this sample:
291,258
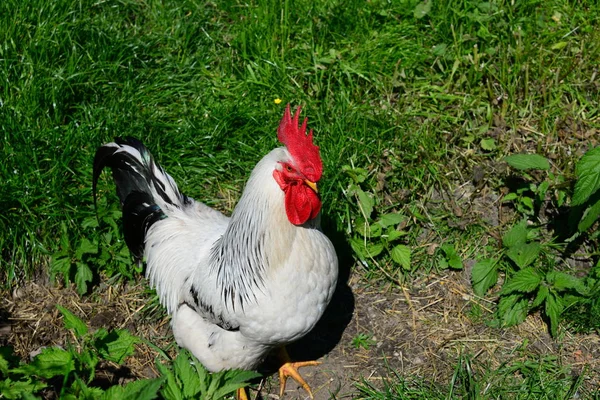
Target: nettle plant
536,273
373,232
106,251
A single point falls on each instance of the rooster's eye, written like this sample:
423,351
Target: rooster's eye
288,168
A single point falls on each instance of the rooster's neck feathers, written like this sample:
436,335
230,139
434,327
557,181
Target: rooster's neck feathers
249,248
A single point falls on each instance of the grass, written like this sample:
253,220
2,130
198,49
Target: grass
410,92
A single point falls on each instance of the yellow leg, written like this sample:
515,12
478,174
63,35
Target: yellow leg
241,394
290,369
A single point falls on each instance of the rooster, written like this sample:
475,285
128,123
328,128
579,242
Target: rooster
236,287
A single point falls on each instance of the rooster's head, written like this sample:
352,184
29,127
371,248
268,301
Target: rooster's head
299,175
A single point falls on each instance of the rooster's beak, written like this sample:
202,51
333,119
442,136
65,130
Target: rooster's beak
312,185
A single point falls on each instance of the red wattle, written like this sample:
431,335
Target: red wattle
301,204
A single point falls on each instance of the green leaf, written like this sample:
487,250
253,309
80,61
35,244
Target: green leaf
393,234
588,173
541,296
60,265
512,309
422,9
391,219
401,254
51,362
144,389
562,281
524,254
230,381
526,281
82,277
516,236
71,321
488,144
484,275
20,389
116,345
527,161
590,216
559,45
171,390
85,247
375,230
553,311
365,250
187,375
452,257
365,202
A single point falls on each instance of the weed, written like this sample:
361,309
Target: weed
534,279
363,340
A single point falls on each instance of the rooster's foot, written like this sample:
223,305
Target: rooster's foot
290,369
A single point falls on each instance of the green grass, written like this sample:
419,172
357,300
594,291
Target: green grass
402,95
527,378
196,82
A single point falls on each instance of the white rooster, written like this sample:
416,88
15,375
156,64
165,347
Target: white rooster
237,287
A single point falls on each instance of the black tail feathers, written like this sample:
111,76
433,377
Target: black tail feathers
141,184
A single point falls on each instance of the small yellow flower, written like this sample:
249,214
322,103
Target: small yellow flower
277,101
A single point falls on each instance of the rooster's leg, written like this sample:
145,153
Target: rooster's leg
241,394
290,369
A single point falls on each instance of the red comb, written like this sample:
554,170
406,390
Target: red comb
300,145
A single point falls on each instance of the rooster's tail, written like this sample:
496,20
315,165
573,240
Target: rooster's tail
144,188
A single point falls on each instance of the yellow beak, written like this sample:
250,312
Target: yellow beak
312,185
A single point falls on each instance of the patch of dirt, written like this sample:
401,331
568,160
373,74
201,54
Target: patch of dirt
423,331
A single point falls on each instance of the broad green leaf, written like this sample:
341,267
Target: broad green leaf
526,281
484,275
187,375
143,389
553,309
71,321
524,254
509,197
85,247
401,254
391,219
422,9
375,230
512,309
20,389
171,390
541,296
116,345
365,202
488,144
562,281
51,362
527,161
233,380
517,235
82,277
393,234
60,265
366,250
452,257
590,216
588,176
